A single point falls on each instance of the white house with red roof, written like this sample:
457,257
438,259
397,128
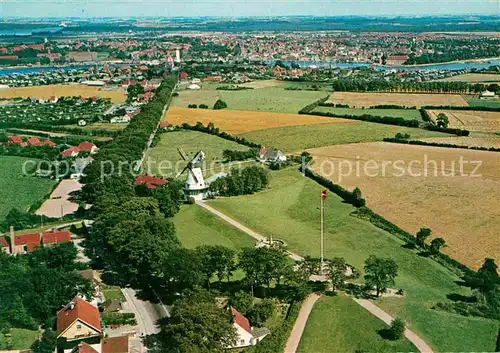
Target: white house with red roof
70,152
246,336
25,243
88,147
79,321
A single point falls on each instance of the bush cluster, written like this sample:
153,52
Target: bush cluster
437,144
212,130
390,120
310,107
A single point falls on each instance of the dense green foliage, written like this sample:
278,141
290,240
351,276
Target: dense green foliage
391,120
380,273
439,144
211,129
240,182
381,85
232,155
220,104
33,287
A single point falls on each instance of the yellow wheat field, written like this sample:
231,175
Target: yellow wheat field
359,100
239,121
470,120
462,209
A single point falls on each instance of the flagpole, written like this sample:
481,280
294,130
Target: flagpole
322,232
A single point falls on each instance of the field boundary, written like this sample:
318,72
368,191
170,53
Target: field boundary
437,144
363,212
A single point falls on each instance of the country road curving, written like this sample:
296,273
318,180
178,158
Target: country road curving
300,324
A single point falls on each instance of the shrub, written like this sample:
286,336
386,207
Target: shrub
397,329
119,318
203,106
220,104
261,312
194,106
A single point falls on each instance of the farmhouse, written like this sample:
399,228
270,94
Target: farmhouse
15,140
246,335
271,155
487,95
115,345
25,243
70,152
150,182
194,87
79,320
120,119
87,147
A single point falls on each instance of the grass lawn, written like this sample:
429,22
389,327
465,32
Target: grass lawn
289,210
112,293
266,99
338,324
18,190
298,138
476,102
165,152
195,226
20,339
408,114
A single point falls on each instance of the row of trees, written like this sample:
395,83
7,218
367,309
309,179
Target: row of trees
235,155
381,85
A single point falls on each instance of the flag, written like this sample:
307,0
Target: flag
323,194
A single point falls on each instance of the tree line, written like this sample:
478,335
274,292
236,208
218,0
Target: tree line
240,182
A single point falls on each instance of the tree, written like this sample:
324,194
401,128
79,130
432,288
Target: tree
216,260
183,270
422,235
442,120
436,245
46,343
337,268
220,104
308,266
242,301
397,329
170,197
195,326
263,265
260,312
380,273
487,276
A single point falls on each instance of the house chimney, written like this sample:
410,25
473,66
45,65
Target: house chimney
11,242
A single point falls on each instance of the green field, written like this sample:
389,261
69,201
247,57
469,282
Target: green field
20,339
408,114
18,190
267,99
298,138
195,226
476,102
338,324
165,152
289,210
112,293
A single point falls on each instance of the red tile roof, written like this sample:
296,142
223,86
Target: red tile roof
24,239
30,247
115,345
86,146
164,124
84,347
397,57
3,242
83,311
33,141
240,320
69,151
151,182
15,139
62,236
48,143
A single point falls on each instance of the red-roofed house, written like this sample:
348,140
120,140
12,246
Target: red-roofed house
115,345
87,147
246,336
4,245
150,182
78,320
56,237
49,143
33,141
396,59
14,140
70,152
25,243
183,76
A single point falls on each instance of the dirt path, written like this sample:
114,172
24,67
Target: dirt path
241,227
298,328
300,324
382,315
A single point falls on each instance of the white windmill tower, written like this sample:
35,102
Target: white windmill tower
195,186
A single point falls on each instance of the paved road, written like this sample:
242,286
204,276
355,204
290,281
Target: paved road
372,308
382,315
146,313
300,324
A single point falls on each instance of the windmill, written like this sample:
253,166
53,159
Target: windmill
195,186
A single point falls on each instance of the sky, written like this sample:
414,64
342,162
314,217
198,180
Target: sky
176,8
